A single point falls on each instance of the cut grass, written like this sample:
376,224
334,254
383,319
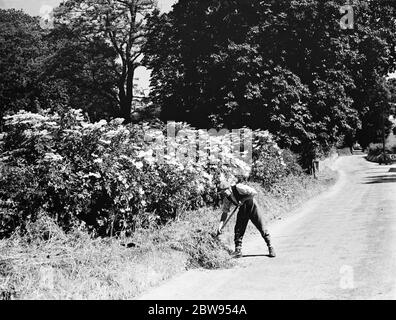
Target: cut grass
75,266
79,267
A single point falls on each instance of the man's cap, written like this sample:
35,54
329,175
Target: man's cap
225,183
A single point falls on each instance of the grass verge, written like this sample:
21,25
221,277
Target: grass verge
46,263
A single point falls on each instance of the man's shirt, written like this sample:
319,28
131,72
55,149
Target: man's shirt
243,190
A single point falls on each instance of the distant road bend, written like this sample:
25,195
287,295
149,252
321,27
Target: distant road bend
340,245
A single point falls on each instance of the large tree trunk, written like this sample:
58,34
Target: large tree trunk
125,110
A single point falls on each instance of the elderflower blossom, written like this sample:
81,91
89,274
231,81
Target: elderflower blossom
93,175
138,165
53,157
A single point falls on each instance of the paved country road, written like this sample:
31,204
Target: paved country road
340,245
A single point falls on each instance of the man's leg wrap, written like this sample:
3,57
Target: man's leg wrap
267,239
258,220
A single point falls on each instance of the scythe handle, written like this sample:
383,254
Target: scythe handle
228,219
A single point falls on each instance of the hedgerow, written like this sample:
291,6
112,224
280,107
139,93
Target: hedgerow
111,178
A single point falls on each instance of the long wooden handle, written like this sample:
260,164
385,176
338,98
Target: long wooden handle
229,218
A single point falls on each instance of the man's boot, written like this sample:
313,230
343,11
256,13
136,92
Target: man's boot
271,251
238,252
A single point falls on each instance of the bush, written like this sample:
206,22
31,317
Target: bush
292,166
109,177
268,164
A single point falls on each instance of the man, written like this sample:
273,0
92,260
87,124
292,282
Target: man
242,196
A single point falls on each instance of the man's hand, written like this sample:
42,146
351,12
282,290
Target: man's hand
220,228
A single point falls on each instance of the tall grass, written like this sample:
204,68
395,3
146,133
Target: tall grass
46,263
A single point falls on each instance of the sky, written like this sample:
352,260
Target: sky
33,7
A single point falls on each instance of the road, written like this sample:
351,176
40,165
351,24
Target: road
340,245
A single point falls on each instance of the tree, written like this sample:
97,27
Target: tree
286,66
208,68
376,124
392,91
120,24
21,46
25,52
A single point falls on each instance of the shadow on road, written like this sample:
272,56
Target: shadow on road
255,255
381,179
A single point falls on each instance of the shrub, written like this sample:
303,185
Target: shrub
292,166
268,164
108,177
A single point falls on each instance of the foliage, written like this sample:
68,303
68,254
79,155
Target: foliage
20,49
42,70
376,122
115,177
46,263
86,70
268,164
292,165
116,27
283,66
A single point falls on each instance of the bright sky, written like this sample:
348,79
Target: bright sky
33,8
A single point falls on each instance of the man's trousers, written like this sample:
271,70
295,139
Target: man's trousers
249,211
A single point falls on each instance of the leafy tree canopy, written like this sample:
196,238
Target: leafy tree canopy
286,66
